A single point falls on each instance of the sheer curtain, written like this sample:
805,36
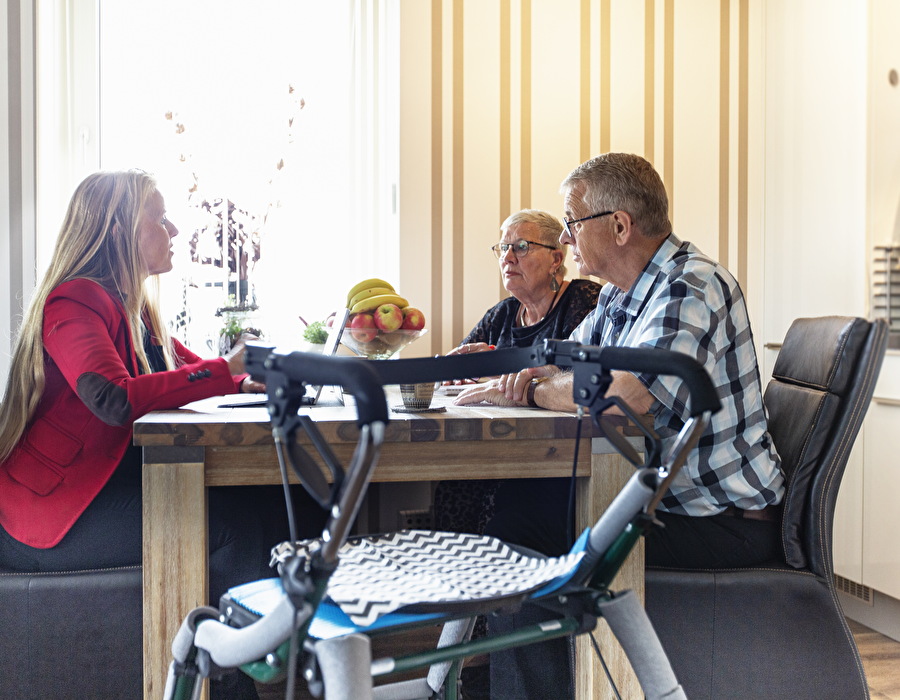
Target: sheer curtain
286,109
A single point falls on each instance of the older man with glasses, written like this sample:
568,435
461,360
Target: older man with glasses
721,510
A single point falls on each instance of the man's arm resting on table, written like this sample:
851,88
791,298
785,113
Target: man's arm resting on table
555,392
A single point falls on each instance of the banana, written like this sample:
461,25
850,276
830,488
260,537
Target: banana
366,284
366,293
376,301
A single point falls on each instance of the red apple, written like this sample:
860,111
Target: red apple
363,327
413,319
388,317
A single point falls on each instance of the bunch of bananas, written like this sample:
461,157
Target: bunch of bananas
372,293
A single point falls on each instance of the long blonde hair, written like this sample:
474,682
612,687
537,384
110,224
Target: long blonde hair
98,241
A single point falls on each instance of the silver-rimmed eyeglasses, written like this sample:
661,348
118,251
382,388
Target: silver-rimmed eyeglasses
520,248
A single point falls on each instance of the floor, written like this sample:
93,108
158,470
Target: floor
881,660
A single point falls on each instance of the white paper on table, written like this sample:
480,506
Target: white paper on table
214,404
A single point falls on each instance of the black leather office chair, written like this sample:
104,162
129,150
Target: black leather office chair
778,631
73,634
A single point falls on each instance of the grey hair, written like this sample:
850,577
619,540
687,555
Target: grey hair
549,229
624,182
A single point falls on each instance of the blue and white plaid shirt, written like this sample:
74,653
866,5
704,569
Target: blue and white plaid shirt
686,302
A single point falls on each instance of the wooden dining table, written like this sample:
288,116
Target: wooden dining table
204,445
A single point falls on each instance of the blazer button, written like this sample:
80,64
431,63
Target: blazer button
192,377
207,372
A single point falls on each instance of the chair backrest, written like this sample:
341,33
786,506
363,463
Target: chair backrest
820,390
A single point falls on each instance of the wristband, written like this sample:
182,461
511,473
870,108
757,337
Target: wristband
529,395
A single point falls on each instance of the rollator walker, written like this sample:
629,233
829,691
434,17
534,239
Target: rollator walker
333,594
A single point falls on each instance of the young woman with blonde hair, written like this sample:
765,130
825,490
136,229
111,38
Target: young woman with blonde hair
92,355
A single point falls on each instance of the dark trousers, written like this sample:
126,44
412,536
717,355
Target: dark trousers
532,513
245,522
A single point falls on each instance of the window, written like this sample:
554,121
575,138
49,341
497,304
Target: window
285,109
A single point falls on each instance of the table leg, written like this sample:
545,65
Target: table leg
174,552
609,472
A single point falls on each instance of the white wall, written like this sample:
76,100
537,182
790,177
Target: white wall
17,209
6,285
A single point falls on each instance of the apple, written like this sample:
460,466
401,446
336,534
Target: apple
388,317
413,319
362,327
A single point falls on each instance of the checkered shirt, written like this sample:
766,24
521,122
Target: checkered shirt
686,302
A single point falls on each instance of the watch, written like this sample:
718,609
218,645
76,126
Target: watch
529,394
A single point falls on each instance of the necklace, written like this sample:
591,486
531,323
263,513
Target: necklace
521,319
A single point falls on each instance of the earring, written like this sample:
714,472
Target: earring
554,283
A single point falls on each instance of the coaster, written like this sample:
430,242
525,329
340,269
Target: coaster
431,409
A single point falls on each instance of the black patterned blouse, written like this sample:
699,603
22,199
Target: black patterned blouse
498,326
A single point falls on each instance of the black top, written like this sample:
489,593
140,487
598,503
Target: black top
154,352
498,326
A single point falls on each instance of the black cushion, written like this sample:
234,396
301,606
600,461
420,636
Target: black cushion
774,633
71,634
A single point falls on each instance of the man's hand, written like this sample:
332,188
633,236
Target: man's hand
489,392
506,390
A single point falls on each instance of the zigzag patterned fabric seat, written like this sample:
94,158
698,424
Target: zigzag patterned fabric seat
403,577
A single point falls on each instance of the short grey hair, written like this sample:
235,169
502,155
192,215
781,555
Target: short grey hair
549,229
624,182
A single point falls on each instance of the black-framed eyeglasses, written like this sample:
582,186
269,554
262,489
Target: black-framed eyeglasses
520,248
568,224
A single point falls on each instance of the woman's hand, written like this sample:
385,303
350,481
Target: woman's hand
467,349
251,386
235,360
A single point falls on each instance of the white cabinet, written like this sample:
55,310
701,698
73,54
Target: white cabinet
881,489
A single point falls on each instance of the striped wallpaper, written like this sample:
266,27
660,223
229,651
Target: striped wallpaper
518,92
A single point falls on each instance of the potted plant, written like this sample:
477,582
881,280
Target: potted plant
316,334
237,319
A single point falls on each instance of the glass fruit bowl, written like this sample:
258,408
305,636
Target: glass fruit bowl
377,344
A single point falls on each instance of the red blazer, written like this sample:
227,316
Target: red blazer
83,423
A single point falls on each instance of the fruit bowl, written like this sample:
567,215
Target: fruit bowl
377,344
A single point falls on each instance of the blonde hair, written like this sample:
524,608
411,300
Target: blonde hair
98,241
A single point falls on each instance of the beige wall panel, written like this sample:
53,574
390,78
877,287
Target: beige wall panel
695,190
483,177
452,192
514,58
732,187
754,282
627,76
418,224
556,104
884,123
656,152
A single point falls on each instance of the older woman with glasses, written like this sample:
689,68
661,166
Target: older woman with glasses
543,304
